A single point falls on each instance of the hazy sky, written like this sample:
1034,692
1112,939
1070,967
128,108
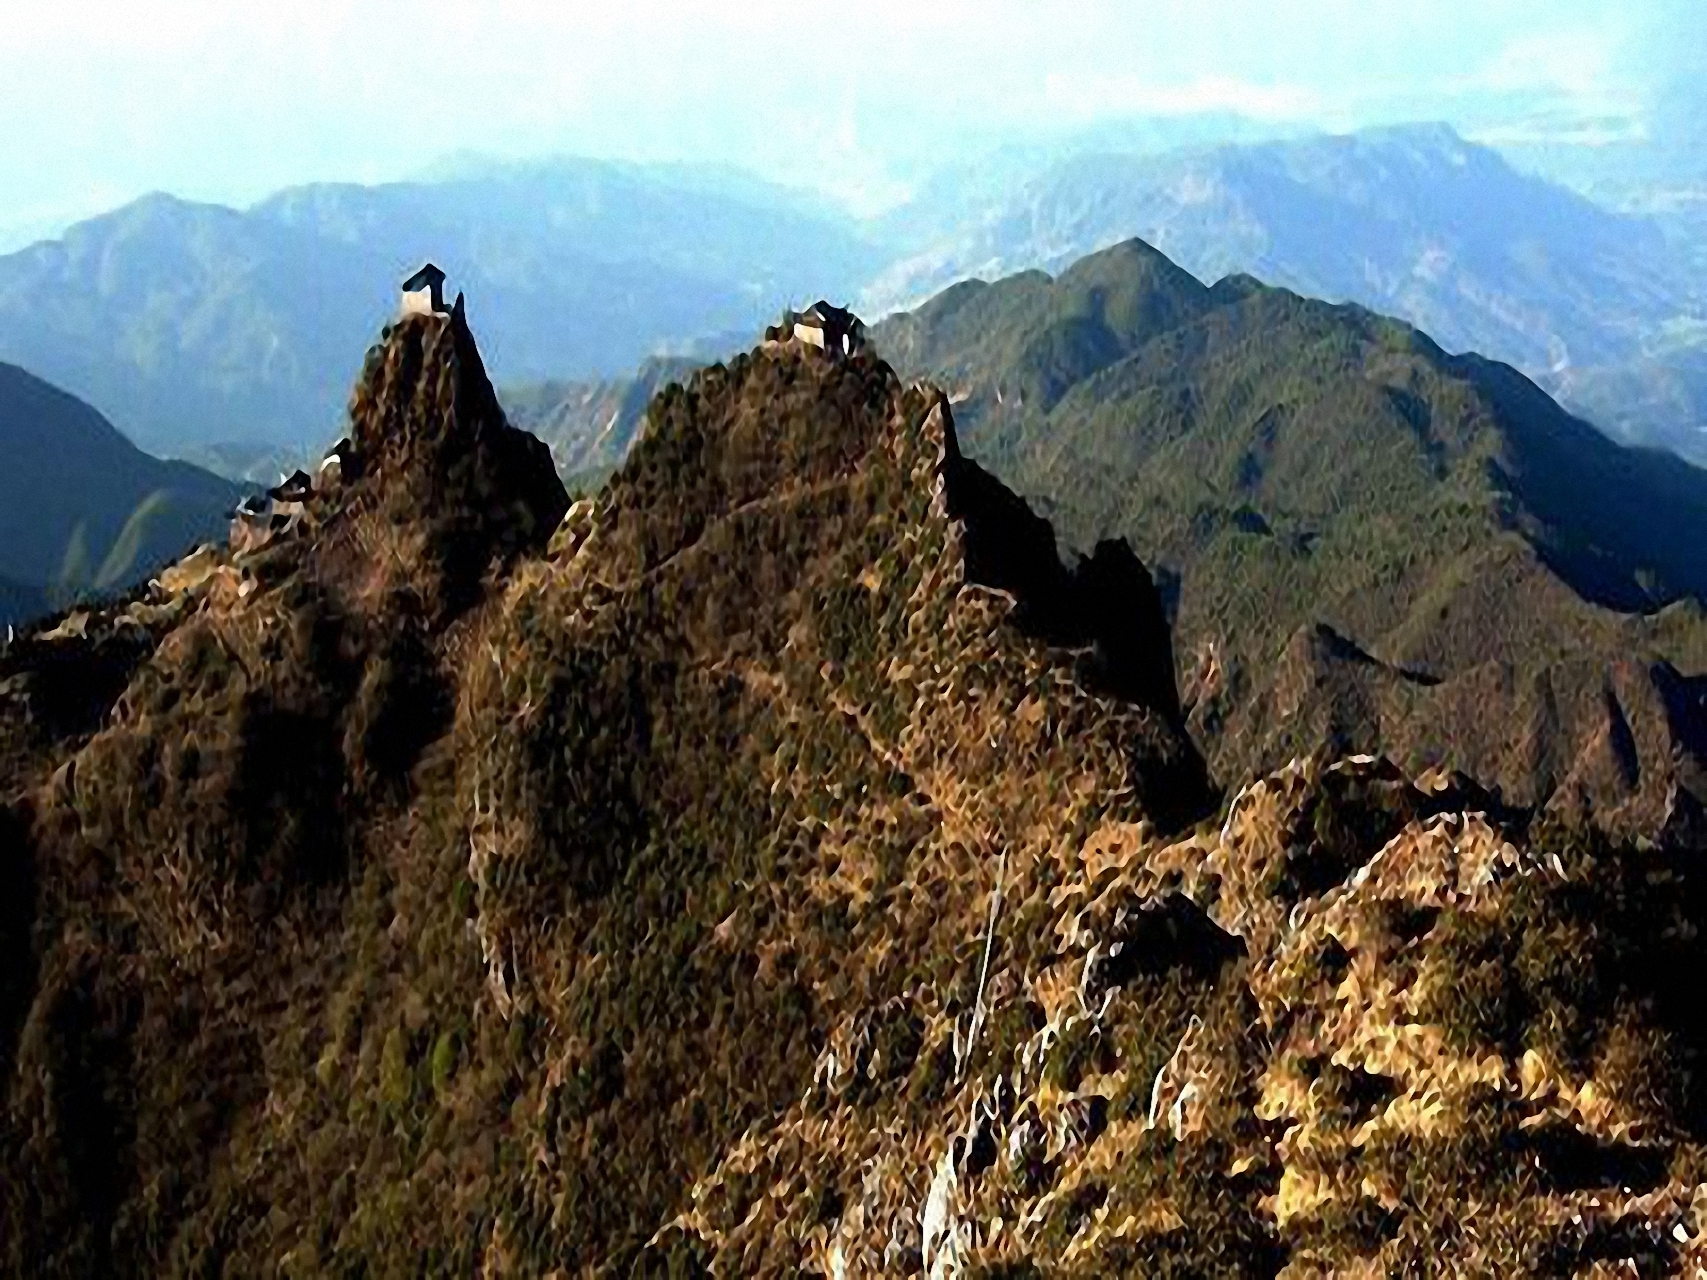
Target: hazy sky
228,100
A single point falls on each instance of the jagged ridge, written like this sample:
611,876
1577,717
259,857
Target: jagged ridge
329,885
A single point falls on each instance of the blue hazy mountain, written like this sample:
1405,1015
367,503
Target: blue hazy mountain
195,325
226,336
82,507
19,603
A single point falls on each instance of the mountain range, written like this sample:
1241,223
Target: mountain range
590,425
81,507
19,603
1414,222
780,862
1371,544
223,336
207,331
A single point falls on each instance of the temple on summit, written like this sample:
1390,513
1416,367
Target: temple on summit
833,330
423,292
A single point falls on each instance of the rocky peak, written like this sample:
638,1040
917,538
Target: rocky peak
433,471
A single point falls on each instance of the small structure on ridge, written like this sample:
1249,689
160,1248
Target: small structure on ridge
424,292
835,331
298,488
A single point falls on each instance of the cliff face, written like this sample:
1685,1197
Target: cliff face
1371,1026
388,843
786,866
435,484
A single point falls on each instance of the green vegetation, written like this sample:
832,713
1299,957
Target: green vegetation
1292,464
75,578
591,425
1412,220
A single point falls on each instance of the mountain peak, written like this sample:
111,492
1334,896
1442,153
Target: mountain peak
1296,463
431,455
751,737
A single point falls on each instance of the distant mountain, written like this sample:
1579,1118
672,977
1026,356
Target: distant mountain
953,201
1660,400
80,506
1374,545
590,425
194,326
1413,222
224,336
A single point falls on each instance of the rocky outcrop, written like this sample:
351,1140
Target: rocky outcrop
1377,547
433,473
1369,1024
1106,604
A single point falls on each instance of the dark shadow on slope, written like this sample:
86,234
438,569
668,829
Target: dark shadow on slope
1106,607
1685,699
1107,602
1623,526
290,785
404,703
17,920
1637,1245
1169,934
1327,644
72,684
1569,1160
92,1095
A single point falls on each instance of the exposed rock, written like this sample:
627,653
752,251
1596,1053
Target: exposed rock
435,485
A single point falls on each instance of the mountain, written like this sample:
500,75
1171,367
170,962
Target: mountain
1660,400
19,603
781,864
223,336
82,506
1371,545
1411,221
197,327
591,425
949,201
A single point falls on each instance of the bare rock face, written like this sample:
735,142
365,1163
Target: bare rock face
190,782
433,826
1368,1025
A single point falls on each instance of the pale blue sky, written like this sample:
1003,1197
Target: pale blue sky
227,101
